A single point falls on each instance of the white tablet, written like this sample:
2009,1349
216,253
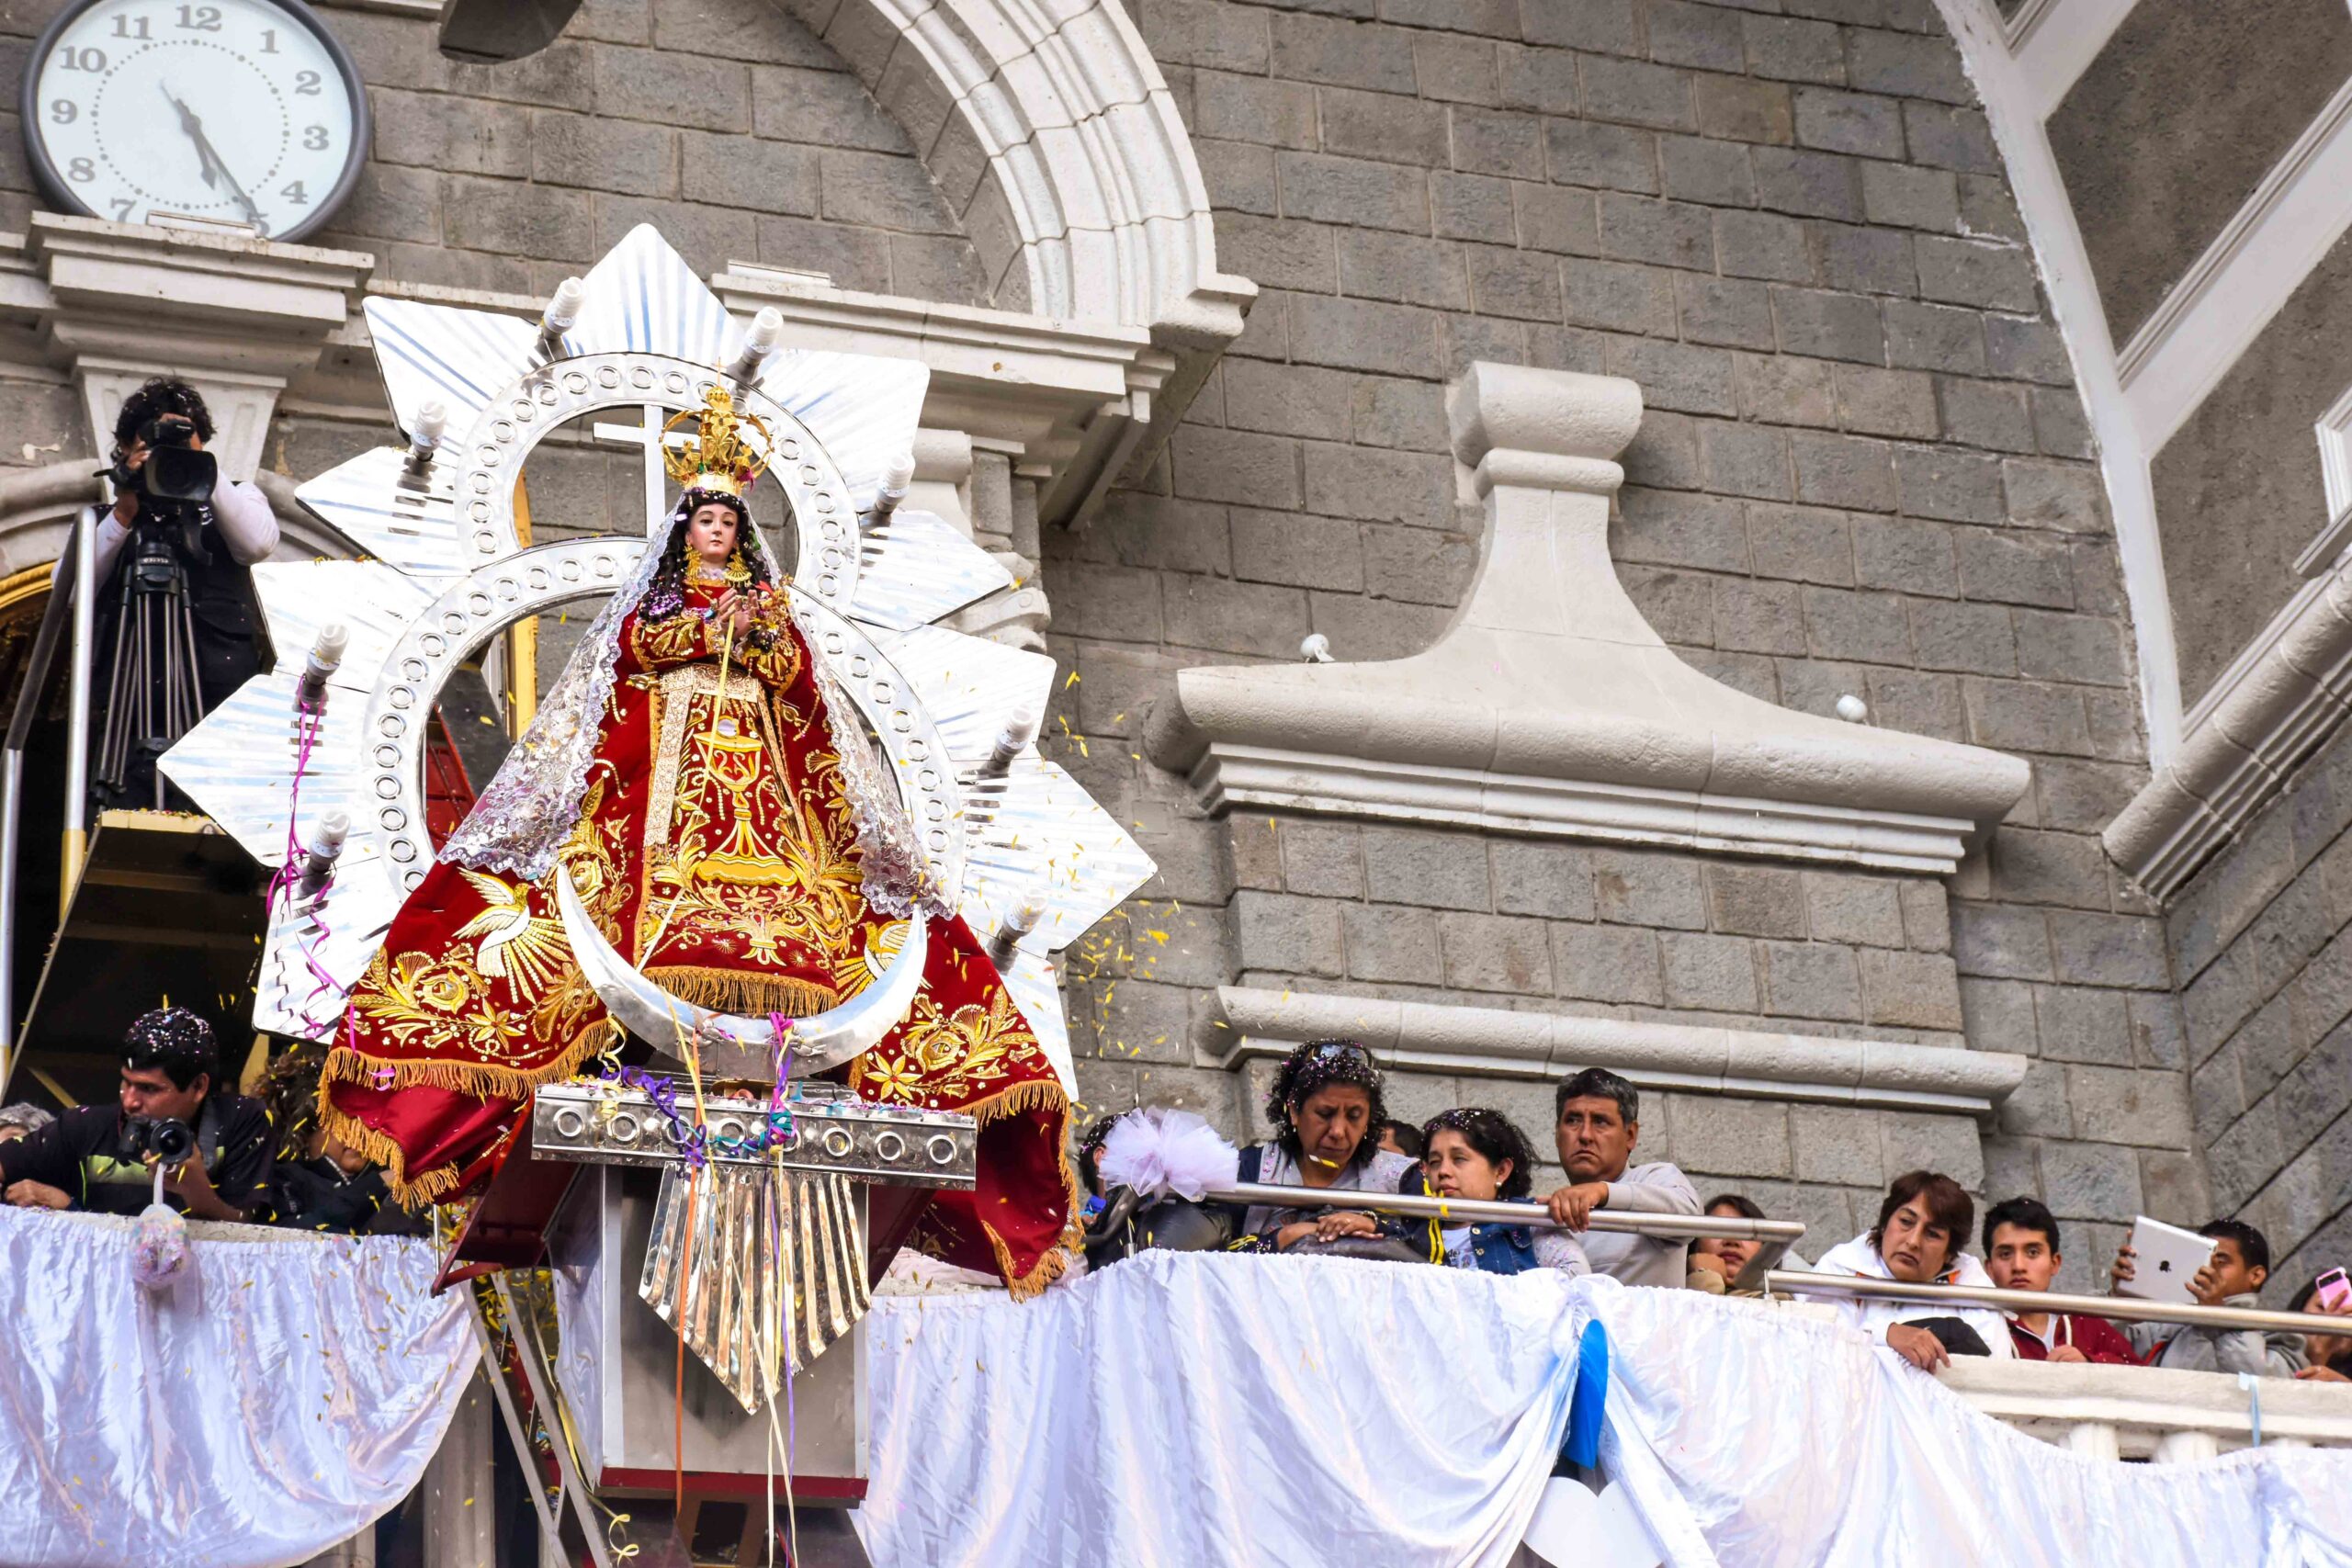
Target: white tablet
2168,1258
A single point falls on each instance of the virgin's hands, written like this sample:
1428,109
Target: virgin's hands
733,607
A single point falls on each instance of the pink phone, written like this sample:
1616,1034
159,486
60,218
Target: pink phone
2332,1292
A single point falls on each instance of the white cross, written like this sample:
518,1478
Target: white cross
648,438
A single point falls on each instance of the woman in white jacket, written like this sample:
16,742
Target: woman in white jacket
1921,1226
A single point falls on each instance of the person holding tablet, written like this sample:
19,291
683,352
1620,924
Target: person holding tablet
2232,1277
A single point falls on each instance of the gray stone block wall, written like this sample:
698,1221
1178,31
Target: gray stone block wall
2262,941
1863,469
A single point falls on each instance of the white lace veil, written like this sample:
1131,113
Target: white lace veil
532,803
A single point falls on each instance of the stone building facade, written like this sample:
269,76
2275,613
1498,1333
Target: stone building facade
1822,239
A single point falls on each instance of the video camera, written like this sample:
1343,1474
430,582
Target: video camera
168,1138
176,478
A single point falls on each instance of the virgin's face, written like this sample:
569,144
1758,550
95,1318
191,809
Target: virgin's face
710,533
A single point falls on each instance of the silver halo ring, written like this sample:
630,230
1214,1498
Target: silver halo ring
735,1046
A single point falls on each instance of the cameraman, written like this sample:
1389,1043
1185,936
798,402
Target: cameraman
88,1159
213,539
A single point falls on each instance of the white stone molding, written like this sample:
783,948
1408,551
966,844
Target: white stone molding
2015,110
2217,309
1053,136
1550,707
2275,705
2142,1413
1070,400
113,303
1432,1037
2054,43
37,511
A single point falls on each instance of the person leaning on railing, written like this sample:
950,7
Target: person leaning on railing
1479,1156
2021,1254
1325,1108
1717,1262
169,1072
1922,1224
2232,1277
1596,1122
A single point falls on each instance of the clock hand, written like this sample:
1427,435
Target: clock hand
209,159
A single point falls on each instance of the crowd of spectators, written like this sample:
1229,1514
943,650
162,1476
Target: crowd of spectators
252,1161
1332,1129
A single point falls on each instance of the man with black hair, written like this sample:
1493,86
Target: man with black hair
2232,1277
213,542
1597,1120
2021,1254
169,1070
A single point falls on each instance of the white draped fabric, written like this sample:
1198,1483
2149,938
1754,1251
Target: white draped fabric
283,1394
1211,1409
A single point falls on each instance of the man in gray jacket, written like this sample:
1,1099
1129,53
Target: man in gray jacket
2232,1277
1596,1123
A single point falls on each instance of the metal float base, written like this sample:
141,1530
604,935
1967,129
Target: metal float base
616,1363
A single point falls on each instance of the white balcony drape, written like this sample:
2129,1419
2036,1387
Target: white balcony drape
286,1390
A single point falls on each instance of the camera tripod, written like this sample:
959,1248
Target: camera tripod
154,696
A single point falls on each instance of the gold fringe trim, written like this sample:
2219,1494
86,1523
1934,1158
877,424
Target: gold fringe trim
739,991
1045,1094
481,1080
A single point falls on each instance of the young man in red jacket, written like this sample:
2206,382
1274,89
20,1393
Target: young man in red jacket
2021,1254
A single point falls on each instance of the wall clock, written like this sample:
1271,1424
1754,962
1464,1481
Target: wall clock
244,110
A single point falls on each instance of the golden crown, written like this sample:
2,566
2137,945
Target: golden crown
716,456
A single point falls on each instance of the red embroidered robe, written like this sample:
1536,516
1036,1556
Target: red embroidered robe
715,848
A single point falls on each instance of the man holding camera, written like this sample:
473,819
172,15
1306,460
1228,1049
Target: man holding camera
215,1149
174,614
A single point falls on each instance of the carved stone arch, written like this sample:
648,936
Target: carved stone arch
1050,131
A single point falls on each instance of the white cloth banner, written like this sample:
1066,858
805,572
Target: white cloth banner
279,1396
1211,1408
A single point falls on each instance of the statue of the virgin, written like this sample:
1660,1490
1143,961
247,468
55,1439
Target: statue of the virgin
715,802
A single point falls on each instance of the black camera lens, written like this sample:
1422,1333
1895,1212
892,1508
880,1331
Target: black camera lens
169,430
173,1140
168,1138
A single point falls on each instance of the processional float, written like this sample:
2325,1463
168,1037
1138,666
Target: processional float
755,1247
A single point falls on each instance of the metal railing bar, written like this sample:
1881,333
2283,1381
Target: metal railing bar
2129,1309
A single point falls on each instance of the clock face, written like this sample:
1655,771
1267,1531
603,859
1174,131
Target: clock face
243,110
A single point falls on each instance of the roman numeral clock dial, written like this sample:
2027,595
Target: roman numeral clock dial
245,111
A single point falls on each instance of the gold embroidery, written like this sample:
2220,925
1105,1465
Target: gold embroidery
524,949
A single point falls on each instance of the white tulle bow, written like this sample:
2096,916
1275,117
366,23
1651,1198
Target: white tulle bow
1158,1152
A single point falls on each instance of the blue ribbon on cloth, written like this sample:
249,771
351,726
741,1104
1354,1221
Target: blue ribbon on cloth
1587,1402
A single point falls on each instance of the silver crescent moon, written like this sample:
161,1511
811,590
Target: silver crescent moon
735,1046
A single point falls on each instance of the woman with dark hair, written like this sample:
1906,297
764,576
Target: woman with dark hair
2330,1355
1325,1108
1478,1155
1922,1225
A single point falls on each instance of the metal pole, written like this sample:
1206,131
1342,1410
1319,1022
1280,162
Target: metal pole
62,594
77,723
2131,1309
1777,1236
1471,1211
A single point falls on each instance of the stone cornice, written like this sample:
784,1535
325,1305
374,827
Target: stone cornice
1438,1038
1549,706
2272,709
